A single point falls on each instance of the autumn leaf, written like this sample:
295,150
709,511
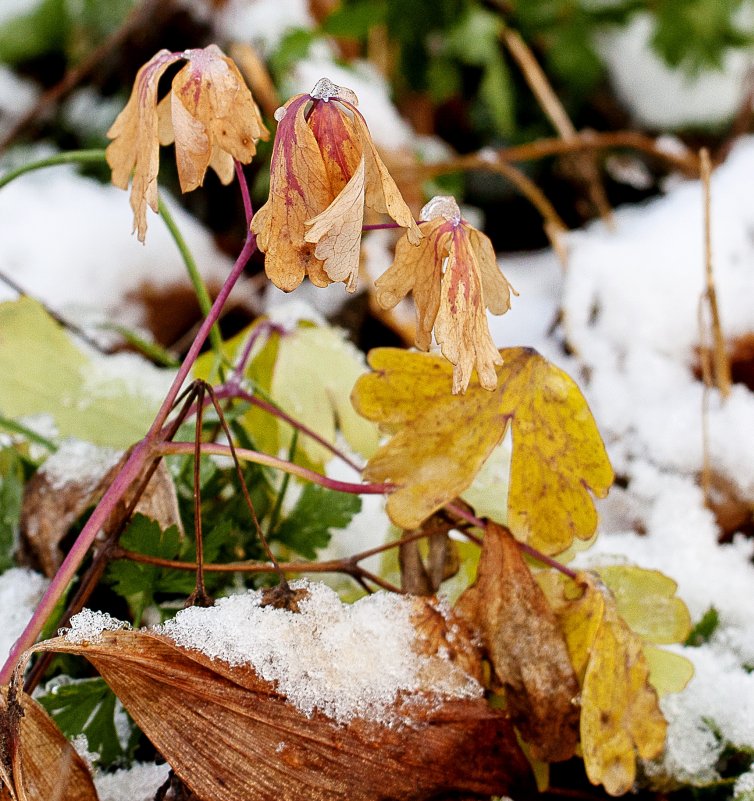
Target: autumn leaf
37,763
620,713
209,113
325,170
230,734
525,646
440,442
455,279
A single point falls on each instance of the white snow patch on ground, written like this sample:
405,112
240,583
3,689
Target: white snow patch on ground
67,241
630,302
17,96
140,782
79,461
659,96
342,660
20,592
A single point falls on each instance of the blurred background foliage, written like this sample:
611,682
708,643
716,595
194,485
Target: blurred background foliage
446,61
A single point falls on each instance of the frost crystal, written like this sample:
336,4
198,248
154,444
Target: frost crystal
88,625
342,660
444,206
279,113
326,90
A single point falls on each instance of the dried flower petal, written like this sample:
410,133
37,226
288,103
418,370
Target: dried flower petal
325,170
455,278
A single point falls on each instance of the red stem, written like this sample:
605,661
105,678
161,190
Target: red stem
184,448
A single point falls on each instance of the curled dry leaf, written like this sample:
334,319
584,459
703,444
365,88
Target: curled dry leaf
440,441
455,279
37,763
325,169
620,713
230,734
209,113
525,646
54,500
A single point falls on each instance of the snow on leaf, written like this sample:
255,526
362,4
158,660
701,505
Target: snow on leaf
37,762
45,373
525,646
440,442
228,732
620,713
455,279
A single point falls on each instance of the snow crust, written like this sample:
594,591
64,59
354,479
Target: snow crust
140,782
79,461
342,660
20,592
88,625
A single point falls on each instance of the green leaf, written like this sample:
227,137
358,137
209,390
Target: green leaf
135,581
355,20
704,629
44,372
11,495
319,510
41,30
88,706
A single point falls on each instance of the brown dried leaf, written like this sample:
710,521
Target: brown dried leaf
228,734
526,647
37,763
51,506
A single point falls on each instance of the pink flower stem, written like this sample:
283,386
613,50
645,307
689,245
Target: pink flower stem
459,511
145,450
247,207
380,226
187,448
229,391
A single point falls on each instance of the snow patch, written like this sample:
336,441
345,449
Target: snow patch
140,782
88,625
79,461
20,592
342,660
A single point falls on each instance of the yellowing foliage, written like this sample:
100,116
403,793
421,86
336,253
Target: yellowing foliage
440,441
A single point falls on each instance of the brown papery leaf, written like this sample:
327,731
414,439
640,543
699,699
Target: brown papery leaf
229,735
52,503
37,763
526,647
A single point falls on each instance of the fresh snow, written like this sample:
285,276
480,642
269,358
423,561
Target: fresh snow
140,782
342,660
79,461
20,592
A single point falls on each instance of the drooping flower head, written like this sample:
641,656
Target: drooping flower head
325,169
209,114
454,277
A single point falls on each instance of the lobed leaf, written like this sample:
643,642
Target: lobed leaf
440,442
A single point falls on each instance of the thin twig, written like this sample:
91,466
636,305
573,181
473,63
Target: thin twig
555,111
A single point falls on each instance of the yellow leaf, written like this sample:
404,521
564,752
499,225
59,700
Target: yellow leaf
646,601
620,713
668,672
442,440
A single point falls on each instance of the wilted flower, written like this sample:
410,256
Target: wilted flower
325,169
454,277
209,113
